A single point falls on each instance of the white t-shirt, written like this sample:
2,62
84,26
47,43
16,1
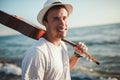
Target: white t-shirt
45,61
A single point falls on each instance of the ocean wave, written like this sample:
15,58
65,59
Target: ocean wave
81,76
12,69
90,73
102,43
8,68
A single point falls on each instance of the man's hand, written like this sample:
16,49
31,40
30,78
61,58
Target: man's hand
80,48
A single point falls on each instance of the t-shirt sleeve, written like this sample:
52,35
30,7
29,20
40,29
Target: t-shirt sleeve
34,66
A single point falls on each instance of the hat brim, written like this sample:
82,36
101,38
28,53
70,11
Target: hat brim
45,9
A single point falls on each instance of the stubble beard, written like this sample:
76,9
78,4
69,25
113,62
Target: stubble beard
61,33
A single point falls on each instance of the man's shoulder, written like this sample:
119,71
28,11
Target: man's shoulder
38,47
41,43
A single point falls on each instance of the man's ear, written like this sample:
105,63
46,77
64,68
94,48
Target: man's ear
45,23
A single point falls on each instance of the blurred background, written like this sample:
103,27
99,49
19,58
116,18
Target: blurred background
96,23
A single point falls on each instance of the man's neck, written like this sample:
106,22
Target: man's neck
55,41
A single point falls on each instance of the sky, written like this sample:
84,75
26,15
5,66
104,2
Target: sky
85,12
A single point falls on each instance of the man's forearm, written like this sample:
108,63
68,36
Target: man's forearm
73,60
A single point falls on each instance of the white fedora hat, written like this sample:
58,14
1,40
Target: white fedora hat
48,5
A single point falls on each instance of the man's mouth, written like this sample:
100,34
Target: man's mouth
61,30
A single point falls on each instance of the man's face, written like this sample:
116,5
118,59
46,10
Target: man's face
57,23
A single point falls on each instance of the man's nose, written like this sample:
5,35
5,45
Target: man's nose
62,22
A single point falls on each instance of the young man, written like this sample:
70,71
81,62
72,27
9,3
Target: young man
48,58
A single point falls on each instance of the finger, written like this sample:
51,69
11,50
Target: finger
80,44
85,49
82,47
79,51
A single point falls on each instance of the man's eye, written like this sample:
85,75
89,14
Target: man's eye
55,18
64,18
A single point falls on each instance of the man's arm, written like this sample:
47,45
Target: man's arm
73,61
79,49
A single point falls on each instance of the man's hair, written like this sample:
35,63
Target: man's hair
53,8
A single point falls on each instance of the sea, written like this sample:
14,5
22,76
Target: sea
103,42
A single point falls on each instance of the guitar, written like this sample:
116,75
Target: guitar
31,30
